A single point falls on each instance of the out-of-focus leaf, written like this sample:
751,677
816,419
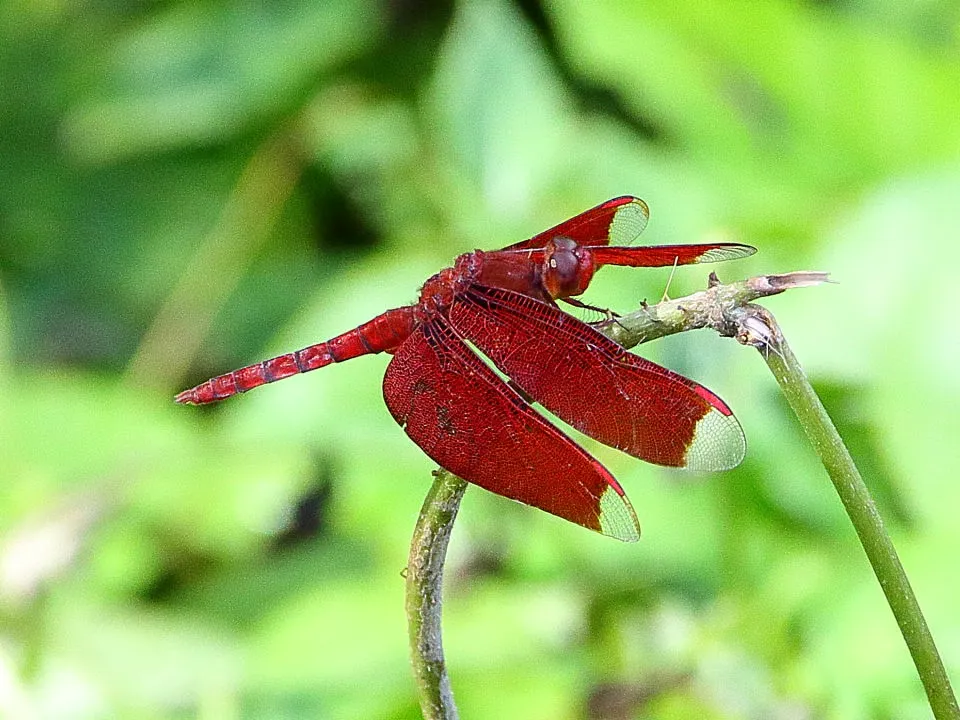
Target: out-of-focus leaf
509,142
890,321
198,74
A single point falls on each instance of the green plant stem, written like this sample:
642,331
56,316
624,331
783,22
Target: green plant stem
726,309
424,586
762,331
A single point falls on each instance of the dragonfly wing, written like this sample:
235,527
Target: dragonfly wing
471,423
597,386
615,222
666,255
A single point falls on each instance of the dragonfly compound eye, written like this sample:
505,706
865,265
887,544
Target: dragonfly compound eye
567,268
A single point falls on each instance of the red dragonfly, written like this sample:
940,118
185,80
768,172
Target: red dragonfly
483,429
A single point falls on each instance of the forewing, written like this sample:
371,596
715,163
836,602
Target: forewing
615,222
598,387
471,423
666,255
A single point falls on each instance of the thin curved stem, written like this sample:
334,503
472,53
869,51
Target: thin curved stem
760,329
424,586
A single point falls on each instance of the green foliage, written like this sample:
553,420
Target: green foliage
190,186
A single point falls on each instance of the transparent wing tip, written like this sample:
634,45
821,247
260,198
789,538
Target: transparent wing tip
617,518
718,443
726,252
628,222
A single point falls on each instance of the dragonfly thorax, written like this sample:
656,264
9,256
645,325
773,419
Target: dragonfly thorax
437,292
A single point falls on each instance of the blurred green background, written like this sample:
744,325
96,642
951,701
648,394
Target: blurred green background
187,187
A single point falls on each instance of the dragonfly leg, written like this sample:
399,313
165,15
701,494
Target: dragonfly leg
610,314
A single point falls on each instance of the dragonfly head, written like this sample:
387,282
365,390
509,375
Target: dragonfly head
567,268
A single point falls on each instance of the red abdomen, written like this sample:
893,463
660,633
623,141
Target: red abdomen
384,333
